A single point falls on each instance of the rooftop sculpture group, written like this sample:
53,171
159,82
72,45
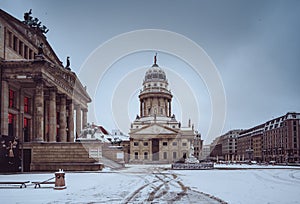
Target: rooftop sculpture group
34,22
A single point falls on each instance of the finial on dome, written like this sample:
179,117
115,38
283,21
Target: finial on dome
155,58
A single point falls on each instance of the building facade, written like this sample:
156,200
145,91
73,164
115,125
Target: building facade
276,140
216,150
198,146
281,139
224,147
40,98
155,135
205,153
248,143
229,145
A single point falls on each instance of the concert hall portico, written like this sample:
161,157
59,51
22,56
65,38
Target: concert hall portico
44,102
41,99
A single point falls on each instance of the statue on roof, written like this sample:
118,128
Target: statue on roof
44,29
68,62
155,58
27,16
34,22
41,49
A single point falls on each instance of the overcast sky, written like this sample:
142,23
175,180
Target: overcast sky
254,45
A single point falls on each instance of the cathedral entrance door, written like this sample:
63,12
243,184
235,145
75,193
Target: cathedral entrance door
155,150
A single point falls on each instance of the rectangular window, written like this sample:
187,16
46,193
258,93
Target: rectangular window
184,144
25,52
15,43
145,143
26,130
145,155
11,102
20,48
174,143
136,155
26,105
165,143
10,118
165,155
9,39
30,54
136,144
174,155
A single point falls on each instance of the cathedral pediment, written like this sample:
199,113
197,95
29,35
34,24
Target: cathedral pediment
155,129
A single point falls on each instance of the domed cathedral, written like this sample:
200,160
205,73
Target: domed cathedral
155,135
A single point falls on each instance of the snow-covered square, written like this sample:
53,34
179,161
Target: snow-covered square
160,184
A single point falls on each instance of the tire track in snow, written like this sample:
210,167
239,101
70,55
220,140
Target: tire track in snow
158,191
165,180
292,175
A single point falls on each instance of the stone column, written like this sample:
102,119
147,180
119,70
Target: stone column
46,120
39,112
145,107
151,107
84,118
63,120
71,123
169,108
166,107
78,120
52,116
4,108
21,116
141,108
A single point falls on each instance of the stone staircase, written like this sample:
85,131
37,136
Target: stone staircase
66,156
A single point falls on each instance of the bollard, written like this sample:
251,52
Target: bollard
60,180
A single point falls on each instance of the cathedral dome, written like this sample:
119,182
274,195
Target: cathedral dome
155,73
